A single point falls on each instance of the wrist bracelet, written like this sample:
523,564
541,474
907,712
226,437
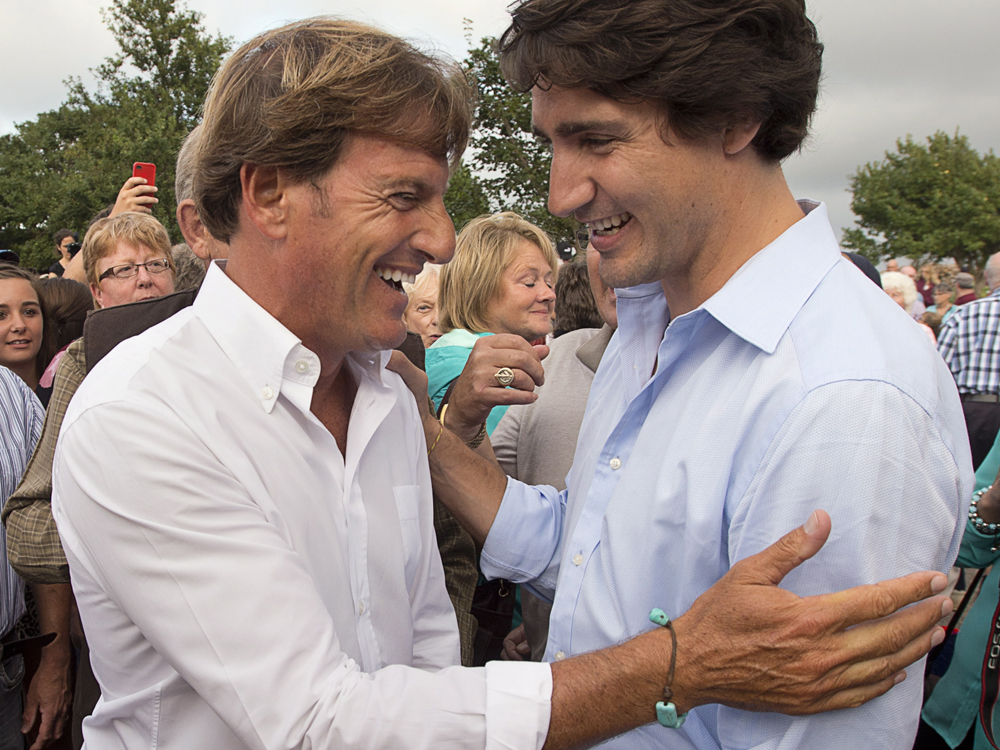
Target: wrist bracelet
980,525
666,711
477,440
434,445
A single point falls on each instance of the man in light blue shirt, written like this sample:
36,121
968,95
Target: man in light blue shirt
756,374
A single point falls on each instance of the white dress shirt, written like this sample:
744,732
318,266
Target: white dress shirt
799,385
244,585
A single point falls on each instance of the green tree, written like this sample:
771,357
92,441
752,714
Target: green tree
506,161
928,201
66,165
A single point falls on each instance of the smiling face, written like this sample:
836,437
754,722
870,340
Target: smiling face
20,325
350,242
112,291
525,303
649,204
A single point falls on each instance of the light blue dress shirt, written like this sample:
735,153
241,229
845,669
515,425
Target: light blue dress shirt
799,385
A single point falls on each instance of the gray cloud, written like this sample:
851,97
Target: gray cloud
892,67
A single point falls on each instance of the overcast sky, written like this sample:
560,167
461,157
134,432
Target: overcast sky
891,67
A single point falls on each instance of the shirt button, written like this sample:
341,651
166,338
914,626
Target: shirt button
361,608
615,463
577,559
560,656
301,366
266,393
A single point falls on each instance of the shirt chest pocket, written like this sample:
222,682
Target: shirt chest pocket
408,508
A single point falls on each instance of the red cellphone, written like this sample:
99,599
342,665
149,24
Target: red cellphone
144,169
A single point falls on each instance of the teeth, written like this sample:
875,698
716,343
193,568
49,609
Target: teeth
397,275
611,223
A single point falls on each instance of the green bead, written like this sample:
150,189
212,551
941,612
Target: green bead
659,617
666,714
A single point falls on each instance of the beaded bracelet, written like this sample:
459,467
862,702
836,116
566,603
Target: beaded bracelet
666,711
980,525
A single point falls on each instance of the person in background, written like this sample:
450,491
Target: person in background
421,314
21,417
892,265
928,278
918,308
64,238
501,280
943,306
903,291
22,326
66,304
966,292
190,268
970,346
575,307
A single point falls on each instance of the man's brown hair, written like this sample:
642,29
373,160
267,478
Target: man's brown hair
291,97
707,65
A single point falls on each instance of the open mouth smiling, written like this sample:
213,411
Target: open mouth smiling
395,278
610,226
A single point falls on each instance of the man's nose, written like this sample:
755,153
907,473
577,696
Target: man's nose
436,239
569,186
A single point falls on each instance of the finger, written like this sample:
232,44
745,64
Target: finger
413,377
525,361
863,603
771,565
855,696
44,733
909,633
131,182
30,715
506,397
541,350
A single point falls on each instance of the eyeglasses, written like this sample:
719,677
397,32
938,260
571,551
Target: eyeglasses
127,271
582,239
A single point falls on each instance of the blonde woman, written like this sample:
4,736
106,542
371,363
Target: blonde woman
501,280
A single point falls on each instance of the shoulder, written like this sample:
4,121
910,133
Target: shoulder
16,399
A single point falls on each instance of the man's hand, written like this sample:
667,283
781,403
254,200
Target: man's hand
749,644
515,645
135,195
477,391
48,702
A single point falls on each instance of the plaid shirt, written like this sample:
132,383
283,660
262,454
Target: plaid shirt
33,545
969,342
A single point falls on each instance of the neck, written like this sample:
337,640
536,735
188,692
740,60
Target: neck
755,210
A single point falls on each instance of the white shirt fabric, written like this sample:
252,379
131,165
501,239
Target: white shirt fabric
798,385
244,585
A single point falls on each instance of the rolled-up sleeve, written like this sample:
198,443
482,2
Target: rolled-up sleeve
524,544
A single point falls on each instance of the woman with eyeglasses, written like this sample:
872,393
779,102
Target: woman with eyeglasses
127,259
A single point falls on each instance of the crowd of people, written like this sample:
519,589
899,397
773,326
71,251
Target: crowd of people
328,474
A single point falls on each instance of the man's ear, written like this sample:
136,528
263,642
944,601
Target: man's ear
195,233
738,137
265,198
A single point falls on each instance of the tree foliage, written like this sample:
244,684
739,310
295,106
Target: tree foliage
68,164
505,163
928,202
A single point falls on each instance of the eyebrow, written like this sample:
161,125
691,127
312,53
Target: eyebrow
565,129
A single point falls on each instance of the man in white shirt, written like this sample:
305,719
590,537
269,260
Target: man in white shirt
243,492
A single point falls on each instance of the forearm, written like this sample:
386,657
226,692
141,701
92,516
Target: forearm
469,483
54,602
605,693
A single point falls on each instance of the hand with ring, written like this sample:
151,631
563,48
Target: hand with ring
502,369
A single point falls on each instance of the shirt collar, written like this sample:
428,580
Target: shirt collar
268,356
761,299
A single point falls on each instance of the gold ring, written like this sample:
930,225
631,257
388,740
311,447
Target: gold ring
504,376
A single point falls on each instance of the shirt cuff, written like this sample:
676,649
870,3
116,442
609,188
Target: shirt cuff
518,705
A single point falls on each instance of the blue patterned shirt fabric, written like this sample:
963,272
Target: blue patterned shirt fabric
21,417
799,385
969,343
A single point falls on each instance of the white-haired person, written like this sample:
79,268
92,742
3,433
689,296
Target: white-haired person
421,313
903,290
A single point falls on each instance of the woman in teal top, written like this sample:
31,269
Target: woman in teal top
501,280
954,705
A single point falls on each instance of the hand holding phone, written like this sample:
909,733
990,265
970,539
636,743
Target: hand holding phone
146,170
137,194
